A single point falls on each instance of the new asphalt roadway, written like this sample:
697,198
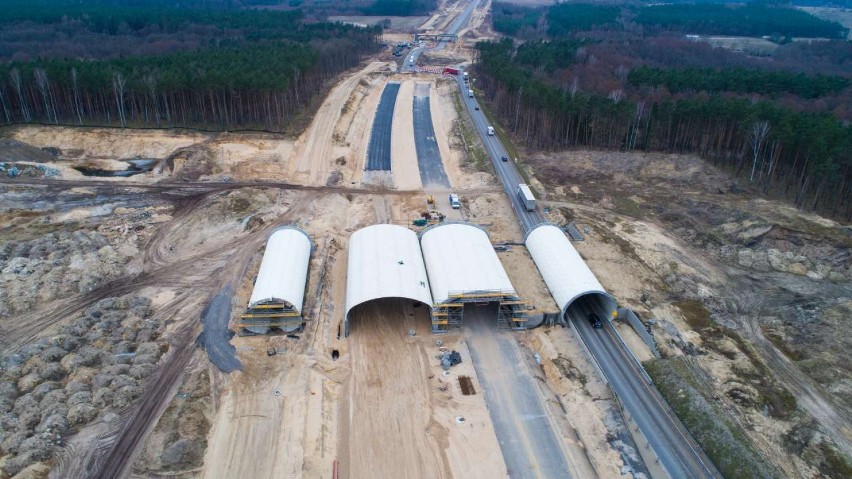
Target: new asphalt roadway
432,172
379,148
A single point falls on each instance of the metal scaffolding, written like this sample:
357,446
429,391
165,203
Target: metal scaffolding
512,312
268,315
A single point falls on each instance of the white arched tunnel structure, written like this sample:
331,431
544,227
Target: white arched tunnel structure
279,289
385,261
564,271
464,268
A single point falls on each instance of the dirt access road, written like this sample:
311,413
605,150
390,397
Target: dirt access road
400,414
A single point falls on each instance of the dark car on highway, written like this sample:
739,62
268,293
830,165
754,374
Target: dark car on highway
504,159
596,321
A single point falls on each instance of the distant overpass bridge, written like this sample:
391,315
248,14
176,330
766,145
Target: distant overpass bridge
436,37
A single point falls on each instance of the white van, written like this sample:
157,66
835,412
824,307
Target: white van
490,131
454,201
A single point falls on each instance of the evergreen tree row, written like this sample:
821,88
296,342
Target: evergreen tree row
250,86
739,80
807,156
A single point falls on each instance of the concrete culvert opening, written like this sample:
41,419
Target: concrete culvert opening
467,277
387,315
573,285
385,262
590,307
389,383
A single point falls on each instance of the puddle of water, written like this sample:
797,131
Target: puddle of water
134,167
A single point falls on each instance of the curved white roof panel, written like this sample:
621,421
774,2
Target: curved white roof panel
460,258
564,271
284,269
385,262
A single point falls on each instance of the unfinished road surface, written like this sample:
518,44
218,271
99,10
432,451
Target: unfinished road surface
379,149
428,155
389,408
530,446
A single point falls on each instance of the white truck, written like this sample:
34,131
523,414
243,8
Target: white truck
454,201
464,75
470,93
490,131
526,196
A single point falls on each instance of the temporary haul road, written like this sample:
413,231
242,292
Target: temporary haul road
677,451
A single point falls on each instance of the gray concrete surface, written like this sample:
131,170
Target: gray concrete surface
429,162
215,337
527,439
379,148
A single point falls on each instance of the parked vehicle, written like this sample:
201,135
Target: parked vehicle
451,71
454,201
526,196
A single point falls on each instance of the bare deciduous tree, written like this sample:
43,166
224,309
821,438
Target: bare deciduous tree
616,95
575,87
46,95
15,75
119,85
78,105
757,137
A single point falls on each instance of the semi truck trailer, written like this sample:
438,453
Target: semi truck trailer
526,196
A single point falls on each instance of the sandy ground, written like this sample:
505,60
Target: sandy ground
444,118
530,287
316,152
239,156
406,174
383,408
414,433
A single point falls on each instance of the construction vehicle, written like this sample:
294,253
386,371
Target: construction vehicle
430,200
526,196
454,201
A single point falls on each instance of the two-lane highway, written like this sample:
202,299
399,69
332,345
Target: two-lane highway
677,450
679,454
506,170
